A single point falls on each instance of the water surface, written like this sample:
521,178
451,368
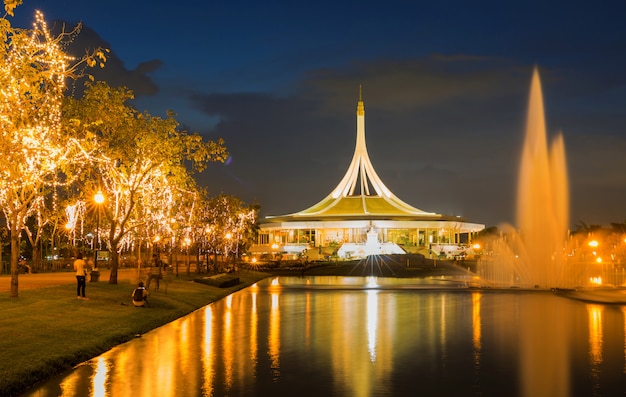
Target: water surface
332,336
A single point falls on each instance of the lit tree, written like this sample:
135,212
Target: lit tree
230,225
33,70
134,156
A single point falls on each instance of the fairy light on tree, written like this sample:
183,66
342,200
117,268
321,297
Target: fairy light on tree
74,214
33,70
133,156
234,217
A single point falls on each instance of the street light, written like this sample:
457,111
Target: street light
98,198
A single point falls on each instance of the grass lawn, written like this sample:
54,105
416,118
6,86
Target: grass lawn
48,330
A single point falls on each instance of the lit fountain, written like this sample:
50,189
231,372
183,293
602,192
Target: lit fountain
535,255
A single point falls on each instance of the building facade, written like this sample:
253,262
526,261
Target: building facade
362,217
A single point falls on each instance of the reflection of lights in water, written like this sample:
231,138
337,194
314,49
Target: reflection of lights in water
307,319
476,328
595,333
70,385
99,378
227,338
229,302
624,314
372,323
274,337
595,343
254,320
443,328
207,350
275,282
185,342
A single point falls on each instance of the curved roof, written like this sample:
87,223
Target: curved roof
361,194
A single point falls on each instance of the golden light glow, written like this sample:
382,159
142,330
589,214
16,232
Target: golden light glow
228,346
372,323
596,339
208,353
99,384
476,326
98,198
593,243
595,280
254,329
273,337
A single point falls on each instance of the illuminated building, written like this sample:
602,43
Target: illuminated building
360,217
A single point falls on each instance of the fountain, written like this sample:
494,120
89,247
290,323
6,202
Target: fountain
535,254
540,253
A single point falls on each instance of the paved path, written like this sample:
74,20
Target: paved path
40,280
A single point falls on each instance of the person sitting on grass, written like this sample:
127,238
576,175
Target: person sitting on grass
140,295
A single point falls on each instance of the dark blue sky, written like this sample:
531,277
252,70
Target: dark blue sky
445,86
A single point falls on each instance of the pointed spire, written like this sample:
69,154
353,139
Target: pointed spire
360,108
361,183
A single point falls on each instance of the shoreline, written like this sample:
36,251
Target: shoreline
46,330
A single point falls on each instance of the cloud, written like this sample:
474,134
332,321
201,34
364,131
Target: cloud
114,72
443,132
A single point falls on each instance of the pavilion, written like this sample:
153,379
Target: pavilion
362,217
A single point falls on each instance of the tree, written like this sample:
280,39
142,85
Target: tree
229,224
133,157
33,70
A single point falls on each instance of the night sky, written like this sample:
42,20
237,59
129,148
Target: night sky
445,86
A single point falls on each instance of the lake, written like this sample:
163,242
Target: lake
360,336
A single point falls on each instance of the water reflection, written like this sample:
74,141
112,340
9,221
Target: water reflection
595,344
476,331
368,337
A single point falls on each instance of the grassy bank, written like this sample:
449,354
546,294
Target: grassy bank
48,330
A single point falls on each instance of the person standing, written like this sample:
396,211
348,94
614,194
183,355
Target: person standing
154,273
81,276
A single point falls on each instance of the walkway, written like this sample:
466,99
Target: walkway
41,280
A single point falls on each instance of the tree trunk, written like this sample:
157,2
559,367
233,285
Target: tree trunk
1,261
15,254
188,262
176,260
37,257
114,259
139,258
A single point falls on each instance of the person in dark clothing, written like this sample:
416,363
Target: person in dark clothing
140,295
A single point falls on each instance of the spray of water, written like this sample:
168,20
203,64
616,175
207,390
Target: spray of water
535,254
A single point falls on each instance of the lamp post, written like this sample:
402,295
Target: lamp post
98,198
